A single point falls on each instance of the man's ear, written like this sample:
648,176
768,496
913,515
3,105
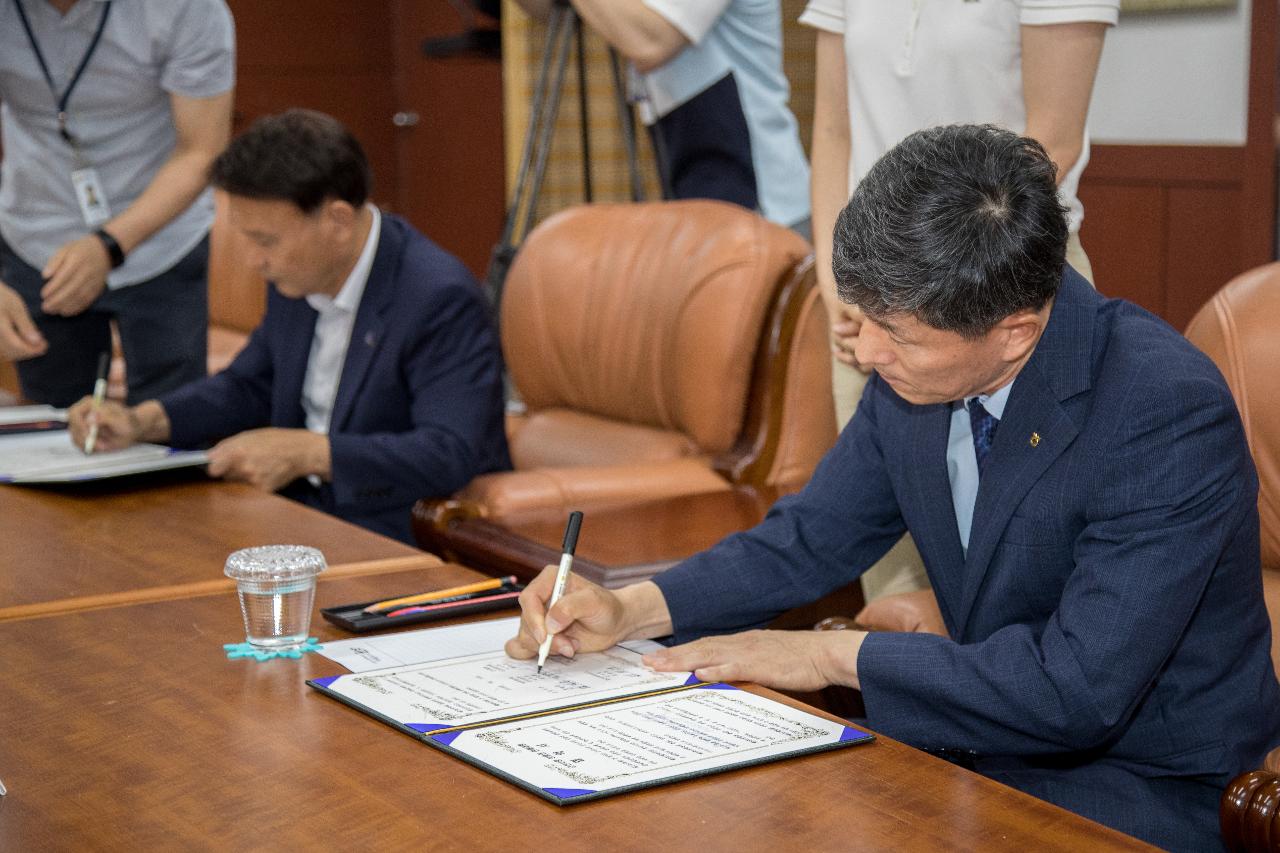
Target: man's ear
1019,333
340,214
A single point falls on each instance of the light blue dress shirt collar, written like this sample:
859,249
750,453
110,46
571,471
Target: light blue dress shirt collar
962,461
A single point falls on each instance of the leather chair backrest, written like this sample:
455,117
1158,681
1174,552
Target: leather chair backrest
647,314
809,411
1239,328
237,294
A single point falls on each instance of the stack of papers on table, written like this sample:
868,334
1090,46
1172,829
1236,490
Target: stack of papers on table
50,457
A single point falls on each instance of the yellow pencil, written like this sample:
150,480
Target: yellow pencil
423,598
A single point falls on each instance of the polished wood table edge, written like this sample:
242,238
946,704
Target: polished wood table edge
45,609
45,816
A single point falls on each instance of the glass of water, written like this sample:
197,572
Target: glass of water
277,587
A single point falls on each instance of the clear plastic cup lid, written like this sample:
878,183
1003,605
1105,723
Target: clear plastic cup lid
275,562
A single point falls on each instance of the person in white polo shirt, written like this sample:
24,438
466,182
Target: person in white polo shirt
711,89
886,70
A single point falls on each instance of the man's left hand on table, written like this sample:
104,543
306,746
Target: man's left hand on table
790,660
270,458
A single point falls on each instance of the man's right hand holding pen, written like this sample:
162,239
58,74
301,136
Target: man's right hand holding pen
587,618
118,426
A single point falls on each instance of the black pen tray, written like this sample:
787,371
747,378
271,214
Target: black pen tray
351,617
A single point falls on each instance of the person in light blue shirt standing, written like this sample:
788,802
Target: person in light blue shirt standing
111,112
711,88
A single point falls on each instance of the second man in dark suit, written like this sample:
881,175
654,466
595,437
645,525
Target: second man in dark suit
375,377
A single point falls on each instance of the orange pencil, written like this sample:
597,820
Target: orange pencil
423,598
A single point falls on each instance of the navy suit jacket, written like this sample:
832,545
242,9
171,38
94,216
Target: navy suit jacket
1109,646
419,408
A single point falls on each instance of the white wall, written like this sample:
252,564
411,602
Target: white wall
1174,77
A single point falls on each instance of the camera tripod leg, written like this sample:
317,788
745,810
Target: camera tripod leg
627,121
537,145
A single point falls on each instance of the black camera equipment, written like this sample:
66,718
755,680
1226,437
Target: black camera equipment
564,30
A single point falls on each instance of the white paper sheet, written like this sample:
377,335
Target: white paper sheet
50,457
422,646
487,686
10,415
647,740
363,654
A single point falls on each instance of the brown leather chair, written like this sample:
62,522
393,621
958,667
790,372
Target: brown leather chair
1239,328
661,349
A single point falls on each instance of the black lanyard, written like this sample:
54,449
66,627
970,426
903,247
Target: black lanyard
44,66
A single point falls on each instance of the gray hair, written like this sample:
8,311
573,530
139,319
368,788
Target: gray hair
958,226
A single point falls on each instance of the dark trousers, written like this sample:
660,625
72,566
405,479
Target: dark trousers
163,324
704,147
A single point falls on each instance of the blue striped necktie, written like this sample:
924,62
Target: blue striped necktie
983,424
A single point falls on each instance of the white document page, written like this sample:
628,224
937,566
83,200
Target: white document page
10,415
422,646
51,457
489,686
363,654
646,740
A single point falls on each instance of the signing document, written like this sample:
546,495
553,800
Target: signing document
587,727
50,457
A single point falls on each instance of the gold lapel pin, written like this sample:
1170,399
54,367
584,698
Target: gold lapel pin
1035,439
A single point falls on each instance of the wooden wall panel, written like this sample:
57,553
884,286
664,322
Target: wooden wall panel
327,55
313,34
362,100
1204,247
1128,259
1188,204
1208,212
451,160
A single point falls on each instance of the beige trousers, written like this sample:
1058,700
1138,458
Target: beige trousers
901,569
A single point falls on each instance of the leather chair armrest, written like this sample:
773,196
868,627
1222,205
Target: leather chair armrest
519,495
1249,811
911,612
224,345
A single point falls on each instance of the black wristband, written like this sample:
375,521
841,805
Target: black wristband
112,246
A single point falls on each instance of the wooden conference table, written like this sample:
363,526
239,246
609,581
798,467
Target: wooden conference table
163,536
125,726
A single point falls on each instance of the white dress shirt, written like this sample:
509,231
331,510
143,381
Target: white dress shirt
333,335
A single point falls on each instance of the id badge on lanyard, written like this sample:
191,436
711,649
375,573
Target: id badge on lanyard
93,201
90,194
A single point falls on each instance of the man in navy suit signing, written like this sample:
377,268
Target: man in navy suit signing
1076,477
375,378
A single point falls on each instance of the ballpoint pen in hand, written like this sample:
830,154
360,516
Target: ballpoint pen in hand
562,576
99,391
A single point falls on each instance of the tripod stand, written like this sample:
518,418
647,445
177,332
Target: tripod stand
564,29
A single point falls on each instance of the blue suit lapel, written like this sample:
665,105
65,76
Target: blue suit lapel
935,534
1033,415
1035,430
370,326
297,328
